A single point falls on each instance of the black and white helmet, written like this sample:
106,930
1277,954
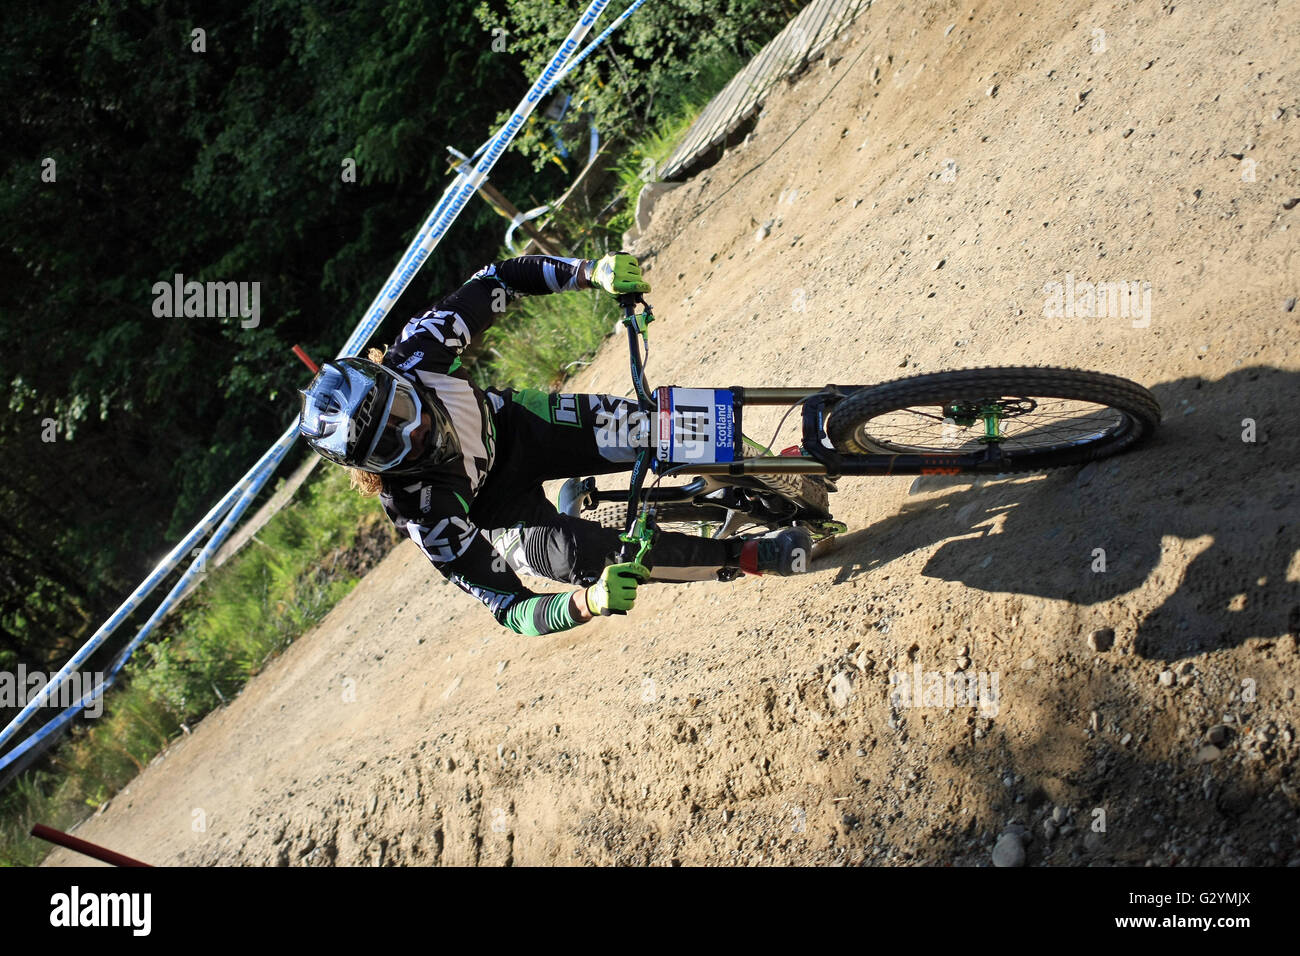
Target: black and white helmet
360,414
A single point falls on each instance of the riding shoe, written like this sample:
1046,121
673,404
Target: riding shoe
785,551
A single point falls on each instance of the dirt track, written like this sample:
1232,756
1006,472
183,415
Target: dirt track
751,722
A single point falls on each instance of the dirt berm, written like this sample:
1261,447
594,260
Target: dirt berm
901,207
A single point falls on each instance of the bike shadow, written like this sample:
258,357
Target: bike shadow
1220,472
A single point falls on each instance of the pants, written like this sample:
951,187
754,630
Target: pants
543,436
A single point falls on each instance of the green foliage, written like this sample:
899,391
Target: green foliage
665,47
540,340
640,162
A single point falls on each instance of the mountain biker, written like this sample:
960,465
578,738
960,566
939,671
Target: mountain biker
460,469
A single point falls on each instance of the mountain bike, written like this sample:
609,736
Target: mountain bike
985,421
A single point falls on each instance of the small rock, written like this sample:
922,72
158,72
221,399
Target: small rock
1083,95
1009,851
992,90
1217,735
1126,740
1166,678
1186,667
840,690
1289,304
1060,815
1094,721
1234,800
1290,203
1208,754
1049,830
963,663
1102,639
764,231
938,265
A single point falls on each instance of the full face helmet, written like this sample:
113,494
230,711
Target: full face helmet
363,415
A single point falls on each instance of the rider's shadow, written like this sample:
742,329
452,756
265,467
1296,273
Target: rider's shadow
1093,534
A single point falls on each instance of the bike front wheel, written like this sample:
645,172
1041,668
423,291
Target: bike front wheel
1035,417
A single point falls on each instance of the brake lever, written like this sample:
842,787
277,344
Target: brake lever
637,542
638,321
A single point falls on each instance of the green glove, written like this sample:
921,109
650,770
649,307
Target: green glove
615,592
618,273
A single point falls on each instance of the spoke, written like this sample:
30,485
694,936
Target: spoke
1051,423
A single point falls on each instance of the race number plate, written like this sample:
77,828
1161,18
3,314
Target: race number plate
696,425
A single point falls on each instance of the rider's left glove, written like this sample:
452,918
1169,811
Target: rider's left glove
615,592
618,273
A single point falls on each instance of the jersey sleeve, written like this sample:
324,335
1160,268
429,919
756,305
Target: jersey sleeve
463,555
435,340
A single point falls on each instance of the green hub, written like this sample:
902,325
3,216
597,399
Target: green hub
991,412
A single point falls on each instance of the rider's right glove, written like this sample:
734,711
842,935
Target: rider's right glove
618,273
615,592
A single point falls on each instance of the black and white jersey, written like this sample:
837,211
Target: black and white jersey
434,509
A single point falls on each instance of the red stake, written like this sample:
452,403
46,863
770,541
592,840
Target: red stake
84,846
297,350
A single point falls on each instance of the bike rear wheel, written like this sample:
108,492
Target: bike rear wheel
1037,416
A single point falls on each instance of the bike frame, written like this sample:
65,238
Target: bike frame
818,458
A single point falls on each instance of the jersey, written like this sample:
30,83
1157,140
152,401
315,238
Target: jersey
434,509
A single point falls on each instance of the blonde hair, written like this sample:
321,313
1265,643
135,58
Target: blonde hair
368,484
